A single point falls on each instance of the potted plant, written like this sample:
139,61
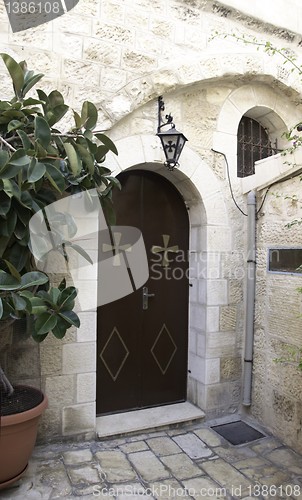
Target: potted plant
38,165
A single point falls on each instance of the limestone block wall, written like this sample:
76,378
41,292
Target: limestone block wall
258,9
277,399
123,54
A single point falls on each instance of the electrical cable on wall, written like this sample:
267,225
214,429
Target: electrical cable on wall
231,189
229,179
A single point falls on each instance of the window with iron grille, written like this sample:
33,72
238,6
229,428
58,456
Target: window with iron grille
253,144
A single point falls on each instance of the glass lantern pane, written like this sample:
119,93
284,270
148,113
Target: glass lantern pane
180,145
170,146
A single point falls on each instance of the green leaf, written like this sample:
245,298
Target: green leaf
59,330
114,181
19,158
67,295
20,230
42,131
38,338
19,303
92,146
33,278
40,152
27,144
101,153
31,111
11,188
88,135
108,142
23,215
5,203
86,157
31,102
15,72
8,282
4,157
10,171
18,255
37,305
55,177
7,226
71,318
4,105
62,284
3,244
77,119
54,115
42,96
31,82
55,98
54,294
14,125
45,323
26,199
1,308
45,296
36,171
13,271
13,113
81,251
74,161
89,115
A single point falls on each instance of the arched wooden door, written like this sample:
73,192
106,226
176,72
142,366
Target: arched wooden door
143,338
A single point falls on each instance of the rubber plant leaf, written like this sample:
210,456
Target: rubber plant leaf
15,71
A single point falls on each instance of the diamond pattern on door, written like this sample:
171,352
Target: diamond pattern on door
164,349
114,354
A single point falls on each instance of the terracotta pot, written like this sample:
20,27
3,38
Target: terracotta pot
18,433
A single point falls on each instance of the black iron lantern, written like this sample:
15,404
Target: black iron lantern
172,140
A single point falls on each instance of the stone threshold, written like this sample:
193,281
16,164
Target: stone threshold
149,419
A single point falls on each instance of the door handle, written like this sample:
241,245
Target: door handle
146,296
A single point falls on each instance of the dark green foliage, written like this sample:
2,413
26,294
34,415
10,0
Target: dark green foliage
39,164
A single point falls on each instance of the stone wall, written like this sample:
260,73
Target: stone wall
277,399
123,54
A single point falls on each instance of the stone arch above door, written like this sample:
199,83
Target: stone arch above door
194,178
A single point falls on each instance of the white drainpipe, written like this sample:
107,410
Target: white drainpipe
250,298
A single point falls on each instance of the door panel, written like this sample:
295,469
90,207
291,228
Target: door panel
142,344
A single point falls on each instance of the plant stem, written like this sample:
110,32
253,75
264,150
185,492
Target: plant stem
8,388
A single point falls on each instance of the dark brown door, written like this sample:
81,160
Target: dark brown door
143,337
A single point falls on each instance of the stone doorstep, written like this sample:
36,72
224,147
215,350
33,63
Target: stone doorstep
149,419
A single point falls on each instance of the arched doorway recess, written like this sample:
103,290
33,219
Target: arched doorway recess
210,241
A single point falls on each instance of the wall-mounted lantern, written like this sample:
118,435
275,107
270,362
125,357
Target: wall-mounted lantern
172,140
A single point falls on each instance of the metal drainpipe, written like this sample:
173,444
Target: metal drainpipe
250,298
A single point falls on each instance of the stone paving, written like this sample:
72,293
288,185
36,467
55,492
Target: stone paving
189,462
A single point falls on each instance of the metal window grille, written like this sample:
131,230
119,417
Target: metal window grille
253,144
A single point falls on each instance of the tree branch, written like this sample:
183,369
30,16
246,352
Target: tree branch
7,144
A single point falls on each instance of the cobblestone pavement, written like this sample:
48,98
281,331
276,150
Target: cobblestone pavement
187,462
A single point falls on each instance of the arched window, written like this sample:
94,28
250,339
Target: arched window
252,144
